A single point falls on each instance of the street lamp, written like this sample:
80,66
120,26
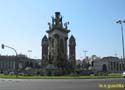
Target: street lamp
120,22
85,52
29,52
16,61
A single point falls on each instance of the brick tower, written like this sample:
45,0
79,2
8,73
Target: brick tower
72,52
44,51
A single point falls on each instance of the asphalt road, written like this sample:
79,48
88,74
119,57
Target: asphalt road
62,84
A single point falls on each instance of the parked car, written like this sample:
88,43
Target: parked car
21,74
11,73
123,74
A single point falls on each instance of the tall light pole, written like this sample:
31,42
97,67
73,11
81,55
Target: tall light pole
121,22
29,51
85,52
16,61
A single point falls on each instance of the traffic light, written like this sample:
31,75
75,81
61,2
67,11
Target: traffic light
2,46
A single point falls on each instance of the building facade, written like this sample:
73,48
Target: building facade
54,47
109,64
11,63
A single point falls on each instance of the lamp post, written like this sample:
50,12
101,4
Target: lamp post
29,51
121,22
85,53
16,61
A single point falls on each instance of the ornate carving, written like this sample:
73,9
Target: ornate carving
50,26
56,21
53,21
66,25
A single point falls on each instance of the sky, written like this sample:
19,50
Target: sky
23,23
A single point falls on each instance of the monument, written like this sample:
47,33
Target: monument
55,57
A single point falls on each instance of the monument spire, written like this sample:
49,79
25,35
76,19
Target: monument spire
57,23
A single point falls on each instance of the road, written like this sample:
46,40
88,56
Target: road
62,84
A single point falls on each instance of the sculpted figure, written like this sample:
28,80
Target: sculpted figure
66,25
49,25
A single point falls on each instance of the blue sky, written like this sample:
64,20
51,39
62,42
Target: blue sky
93,23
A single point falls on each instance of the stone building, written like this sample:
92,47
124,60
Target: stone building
109,64
8,63
54,47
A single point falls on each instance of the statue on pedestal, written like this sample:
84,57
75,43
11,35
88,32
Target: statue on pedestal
57,20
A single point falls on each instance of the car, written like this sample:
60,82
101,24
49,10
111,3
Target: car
11,73
123,74
21,74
